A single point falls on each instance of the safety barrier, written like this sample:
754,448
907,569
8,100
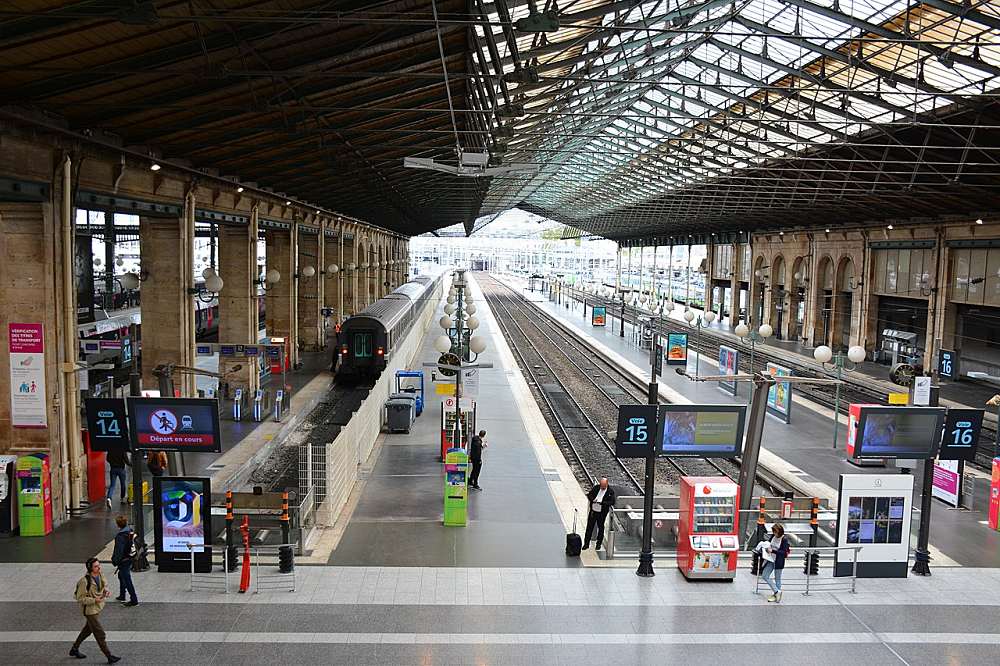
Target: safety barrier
210,581
810,579
267,581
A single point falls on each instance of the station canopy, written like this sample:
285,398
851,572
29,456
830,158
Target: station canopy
624,119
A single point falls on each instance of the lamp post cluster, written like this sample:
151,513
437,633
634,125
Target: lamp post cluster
459,314
840,362
700,321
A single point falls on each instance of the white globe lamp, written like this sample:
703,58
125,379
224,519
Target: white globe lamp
443,344
477,345
451,299
130,281
272,276
445,322
823,354
741,330
208,272
765,331
214,283
332,269
709,317
471,309
449,309
308,271
472,323
856,354
689,316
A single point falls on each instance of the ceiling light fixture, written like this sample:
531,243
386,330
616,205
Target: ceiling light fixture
154,167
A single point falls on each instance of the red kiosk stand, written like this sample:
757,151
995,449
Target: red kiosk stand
707,543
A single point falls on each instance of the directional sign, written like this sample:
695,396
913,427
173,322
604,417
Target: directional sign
107,424
947,364
636,431
961,434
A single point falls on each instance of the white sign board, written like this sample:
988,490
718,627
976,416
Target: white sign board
470,382
874,512
466,404
27,376
922,391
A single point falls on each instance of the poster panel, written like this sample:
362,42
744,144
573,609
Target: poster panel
947,485
779,396
677,348
27,376
729,362
599,316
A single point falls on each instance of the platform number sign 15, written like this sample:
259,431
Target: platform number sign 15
961,434
107,424
947,364
636,431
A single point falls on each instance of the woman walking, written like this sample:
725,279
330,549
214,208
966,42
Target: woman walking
775,553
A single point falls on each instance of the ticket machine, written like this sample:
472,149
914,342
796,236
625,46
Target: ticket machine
8,495
456,490
34,494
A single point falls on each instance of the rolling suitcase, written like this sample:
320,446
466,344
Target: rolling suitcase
574,544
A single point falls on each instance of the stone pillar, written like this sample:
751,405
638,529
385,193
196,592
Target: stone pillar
308,290
710,277
342,264
167,251
279,307
734,285
31,274
238,323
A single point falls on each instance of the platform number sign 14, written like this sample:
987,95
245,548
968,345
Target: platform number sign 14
961,434
636,431
107,424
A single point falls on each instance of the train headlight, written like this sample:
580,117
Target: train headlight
343,351
379,351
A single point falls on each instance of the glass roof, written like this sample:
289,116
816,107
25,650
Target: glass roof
648,99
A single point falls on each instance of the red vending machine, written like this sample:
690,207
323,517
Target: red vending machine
707,543
994,515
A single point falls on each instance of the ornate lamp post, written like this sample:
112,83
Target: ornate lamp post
840,362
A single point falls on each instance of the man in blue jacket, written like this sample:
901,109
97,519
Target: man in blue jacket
125,551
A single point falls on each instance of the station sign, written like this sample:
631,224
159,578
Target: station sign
175,424
961,434
636,431
947,365
107,424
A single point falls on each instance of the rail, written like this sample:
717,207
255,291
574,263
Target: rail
209,581
814,581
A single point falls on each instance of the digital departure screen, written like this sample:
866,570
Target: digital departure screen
175,424
702,430
899,432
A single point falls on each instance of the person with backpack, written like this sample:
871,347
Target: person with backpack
774,554
90,593
157,463
123,557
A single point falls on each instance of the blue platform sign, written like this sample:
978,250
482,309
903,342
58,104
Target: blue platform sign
947,364
961,434
227,350
636,431
107,424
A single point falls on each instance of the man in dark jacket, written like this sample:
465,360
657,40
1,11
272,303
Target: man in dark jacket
118,462
476,447
125,550
601,498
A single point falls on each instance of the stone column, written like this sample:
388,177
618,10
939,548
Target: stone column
308,290
31,274
279,307
734,285
238,323
167,251
710,277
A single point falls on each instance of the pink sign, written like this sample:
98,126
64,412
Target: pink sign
947,481
25,338
27,376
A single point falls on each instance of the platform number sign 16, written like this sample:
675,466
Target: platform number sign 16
947,364
636,431
107,424
961,434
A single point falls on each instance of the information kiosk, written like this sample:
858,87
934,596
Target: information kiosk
34,494
456,490
707,543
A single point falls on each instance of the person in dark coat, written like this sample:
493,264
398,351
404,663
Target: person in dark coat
123,557
775,552
476,447
602,499
118,462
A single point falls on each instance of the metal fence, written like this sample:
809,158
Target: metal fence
794,578
216,580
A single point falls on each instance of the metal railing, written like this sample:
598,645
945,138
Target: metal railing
209,581
303,519
268,581
806,583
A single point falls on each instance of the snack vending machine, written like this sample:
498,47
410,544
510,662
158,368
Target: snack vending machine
34,494
456,490
707,542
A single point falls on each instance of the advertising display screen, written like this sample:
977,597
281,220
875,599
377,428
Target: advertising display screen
899,432
175,424
729,363
779,396
875,519
599,316
183,507
677,348
701,430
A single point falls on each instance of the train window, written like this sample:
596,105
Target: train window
363,345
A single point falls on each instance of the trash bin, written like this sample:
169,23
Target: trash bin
400,411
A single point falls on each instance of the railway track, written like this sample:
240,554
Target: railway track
581,392
824,395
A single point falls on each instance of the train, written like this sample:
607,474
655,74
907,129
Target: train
367,340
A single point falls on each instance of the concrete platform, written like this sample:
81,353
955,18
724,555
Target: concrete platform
482,615
513,522
243,443
801,452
